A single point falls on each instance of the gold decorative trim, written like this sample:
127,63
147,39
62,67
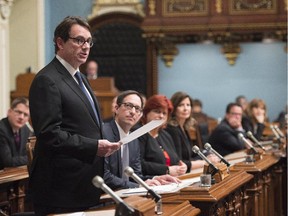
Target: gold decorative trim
218,6
245,26
168,51
231,52
243,7
102,7
152,7
173,8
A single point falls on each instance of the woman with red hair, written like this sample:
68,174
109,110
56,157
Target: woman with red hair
158,153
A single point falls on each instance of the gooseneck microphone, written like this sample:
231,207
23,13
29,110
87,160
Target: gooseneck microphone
123,209
241,137
279,131
208,147
130,173
196,150
253,138
275,132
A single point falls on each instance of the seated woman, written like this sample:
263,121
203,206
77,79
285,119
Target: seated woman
178,127
255,117
158,155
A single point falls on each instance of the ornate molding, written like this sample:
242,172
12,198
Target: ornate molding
218,6
231,52
165,46
103,7
243,7
152,7
168,51
184,8
5,8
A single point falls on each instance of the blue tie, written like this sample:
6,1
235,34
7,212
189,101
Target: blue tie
80,81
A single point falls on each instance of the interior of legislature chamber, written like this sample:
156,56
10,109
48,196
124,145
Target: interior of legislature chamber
247,181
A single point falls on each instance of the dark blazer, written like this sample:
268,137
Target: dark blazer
67,133
183,144
10,156
248,126
113,166
152,157
224,139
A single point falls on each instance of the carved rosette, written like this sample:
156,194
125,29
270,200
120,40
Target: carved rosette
5,8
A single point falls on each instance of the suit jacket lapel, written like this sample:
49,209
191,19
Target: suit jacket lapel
68,79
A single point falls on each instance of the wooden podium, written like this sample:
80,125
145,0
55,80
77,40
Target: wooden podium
105,90
23,83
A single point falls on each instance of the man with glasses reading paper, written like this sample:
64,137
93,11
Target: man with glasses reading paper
128,111
70,148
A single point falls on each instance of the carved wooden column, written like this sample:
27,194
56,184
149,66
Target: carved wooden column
5,8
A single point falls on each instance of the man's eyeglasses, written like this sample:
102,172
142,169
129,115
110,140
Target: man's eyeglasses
81,41
18,112
130,106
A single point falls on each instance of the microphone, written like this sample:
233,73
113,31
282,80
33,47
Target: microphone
253,138
196,150
208,147
241,137
275,132
29,127
130,173
279,131
123,207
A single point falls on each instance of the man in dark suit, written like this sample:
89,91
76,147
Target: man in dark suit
128,111
70,148
224,138
14,134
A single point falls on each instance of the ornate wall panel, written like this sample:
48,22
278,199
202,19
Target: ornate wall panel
245,7
185,8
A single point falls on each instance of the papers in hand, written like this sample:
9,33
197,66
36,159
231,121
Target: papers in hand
142,130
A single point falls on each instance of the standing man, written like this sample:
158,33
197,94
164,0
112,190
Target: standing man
128,111
14,134
70,148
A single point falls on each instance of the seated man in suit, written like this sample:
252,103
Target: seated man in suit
224,138
14,134
128,111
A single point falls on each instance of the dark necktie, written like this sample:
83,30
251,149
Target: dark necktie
81,84
17,140
125,160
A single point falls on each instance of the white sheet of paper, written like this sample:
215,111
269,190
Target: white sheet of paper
142,130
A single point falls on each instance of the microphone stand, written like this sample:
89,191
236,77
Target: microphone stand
122,210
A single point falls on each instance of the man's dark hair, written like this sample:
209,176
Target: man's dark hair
124,94
20,100
230,105
63,29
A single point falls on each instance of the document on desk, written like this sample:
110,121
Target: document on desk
90,213
142,130
162,189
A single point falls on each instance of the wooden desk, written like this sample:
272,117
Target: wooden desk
170,209
12,189
266,189
227,197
